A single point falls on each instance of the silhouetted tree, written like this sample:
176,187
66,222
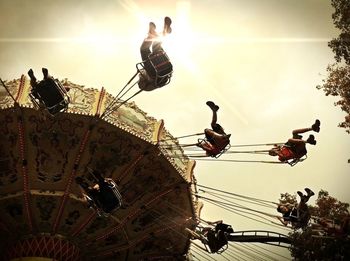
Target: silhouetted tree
338,84
338,81
341,20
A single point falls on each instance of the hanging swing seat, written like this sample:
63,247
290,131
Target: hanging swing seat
217,242
295,153
105,197
110,199
50,95
214,150
161,67
214,242
303,218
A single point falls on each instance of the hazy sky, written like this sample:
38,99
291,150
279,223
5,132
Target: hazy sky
260,60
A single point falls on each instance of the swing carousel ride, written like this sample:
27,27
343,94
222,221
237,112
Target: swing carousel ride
57,147
85,175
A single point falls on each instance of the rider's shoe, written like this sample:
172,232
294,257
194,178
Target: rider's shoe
311,140
31,75
152,31
212,105
316,126
309,192
167,23
45,73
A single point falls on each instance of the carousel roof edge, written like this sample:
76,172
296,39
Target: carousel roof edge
91,102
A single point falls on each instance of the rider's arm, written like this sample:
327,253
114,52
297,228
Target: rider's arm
283,220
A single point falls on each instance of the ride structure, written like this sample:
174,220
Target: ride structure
217,242
43,210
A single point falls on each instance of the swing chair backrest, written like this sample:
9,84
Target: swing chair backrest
110,197
162,66
303,216
51,95
295,161
106,197
228,146
216,243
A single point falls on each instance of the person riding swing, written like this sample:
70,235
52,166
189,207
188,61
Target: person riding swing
156,68
214,237
216,140
103,194
295,148
48,93
298,216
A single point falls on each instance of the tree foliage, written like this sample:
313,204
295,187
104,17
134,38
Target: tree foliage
338,84
341,20
338,81
288,199
308,246
329,207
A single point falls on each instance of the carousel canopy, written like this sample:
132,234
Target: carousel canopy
42,209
